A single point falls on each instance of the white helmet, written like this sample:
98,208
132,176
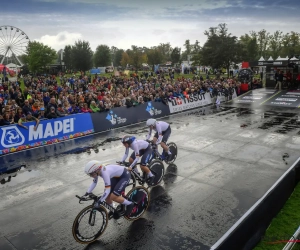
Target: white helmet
150,122
92,166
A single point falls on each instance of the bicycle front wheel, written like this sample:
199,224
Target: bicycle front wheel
89,224
173,148
139,195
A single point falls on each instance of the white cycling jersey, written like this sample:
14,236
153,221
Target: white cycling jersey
160,127
107,172
136,146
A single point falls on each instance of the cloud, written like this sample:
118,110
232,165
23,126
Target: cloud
60,40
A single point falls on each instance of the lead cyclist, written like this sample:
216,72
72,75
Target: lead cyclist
163,132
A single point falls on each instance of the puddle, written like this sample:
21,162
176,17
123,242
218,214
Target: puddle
19,176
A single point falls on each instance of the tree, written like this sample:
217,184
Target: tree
67,57
263,38
221,49
102,56
39,56
249,50
125,59
275,44
82,55
137,56
118,57
166,50
196,47
154,56
188,49
175,55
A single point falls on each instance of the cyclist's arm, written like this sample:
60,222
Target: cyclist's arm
93,185
149,135
125,155
159,132
137,154
106,178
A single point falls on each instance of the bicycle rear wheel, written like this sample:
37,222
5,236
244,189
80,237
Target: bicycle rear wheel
83,231
173,148
158,170
141,196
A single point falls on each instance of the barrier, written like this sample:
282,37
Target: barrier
15,138
179,104
249,229
122,116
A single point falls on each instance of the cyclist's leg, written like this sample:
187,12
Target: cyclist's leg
155,138
120,188
165,139
147,155
113,183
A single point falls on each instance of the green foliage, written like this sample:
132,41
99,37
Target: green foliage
82,55
39,56
221,49
175,55
67,57
283,225
118,57
102,56
154,56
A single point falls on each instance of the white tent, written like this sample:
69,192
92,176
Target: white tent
13,66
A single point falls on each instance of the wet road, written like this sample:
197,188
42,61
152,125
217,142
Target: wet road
227,159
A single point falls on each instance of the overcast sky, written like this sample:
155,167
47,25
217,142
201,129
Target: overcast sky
123,23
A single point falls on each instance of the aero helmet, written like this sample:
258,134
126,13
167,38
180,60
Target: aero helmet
92,166
128,139
150,122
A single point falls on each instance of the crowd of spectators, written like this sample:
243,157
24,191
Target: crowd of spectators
47,97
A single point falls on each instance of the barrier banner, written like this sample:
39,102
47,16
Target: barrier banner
194,101
122,116
15,138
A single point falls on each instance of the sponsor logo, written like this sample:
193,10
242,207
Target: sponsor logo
286,99
47,130
252,97
151,110
11,137
245,101
281,103
191,99
114,119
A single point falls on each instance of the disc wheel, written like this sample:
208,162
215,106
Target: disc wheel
173,149
158,170
139,195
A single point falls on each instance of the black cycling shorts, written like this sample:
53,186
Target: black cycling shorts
146,155
166,135
118,184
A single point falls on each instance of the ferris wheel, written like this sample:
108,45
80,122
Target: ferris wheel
13,43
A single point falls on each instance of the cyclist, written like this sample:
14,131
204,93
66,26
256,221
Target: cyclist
163,132
142,149
115,179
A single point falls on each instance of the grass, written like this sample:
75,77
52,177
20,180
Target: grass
284,225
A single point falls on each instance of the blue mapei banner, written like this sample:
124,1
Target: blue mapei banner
15,138
118,117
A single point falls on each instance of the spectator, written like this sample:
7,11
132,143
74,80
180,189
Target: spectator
94,107
41,114
52,114
85,109
27,108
